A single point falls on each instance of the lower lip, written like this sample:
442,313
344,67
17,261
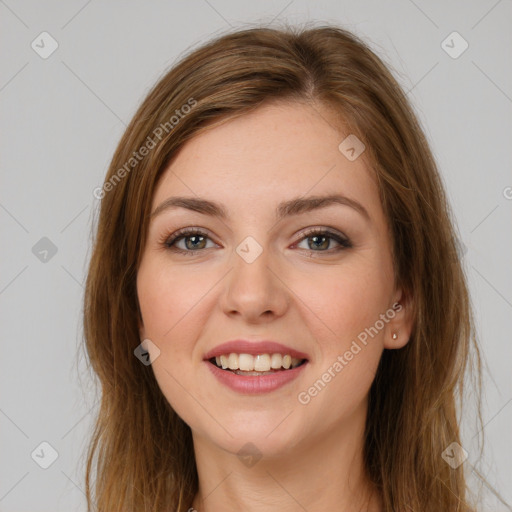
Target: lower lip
255,384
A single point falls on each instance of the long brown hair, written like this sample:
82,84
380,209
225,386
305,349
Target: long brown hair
141,451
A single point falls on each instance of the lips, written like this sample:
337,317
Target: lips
256,384
254,348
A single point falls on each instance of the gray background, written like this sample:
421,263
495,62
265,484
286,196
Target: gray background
62,117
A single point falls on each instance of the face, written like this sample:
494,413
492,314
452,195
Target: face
315,277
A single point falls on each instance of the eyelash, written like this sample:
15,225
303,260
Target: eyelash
168,242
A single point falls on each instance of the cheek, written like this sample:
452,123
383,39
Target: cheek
351,302
170,302
167,299
346,300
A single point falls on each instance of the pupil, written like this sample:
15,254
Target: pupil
194,236
316,238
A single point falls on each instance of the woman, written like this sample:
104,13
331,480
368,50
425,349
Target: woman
275,307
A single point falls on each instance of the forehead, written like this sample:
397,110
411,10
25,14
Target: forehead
274,153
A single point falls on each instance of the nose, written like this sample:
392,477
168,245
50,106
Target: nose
254,291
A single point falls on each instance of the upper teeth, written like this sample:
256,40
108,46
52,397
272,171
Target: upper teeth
258,363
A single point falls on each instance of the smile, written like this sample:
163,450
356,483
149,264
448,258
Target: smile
256,364
254,382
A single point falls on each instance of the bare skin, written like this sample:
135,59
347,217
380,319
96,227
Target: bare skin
312,294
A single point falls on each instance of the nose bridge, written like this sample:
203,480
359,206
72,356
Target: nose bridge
253,288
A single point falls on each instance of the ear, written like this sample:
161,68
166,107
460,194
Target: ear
399,327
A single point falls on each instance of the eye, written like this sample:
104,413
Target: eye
194,240
322,238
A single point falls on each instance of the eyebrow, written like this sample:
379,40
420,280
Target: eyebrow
294,206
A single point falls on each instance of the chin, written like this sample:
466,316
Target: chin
269,437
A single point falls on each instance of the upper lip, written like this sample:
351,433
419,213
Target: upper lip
254,348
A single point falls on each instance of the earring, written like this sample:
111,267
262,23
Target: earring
395,336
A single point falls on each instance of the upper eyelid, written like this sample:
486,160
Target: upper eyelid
199,230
